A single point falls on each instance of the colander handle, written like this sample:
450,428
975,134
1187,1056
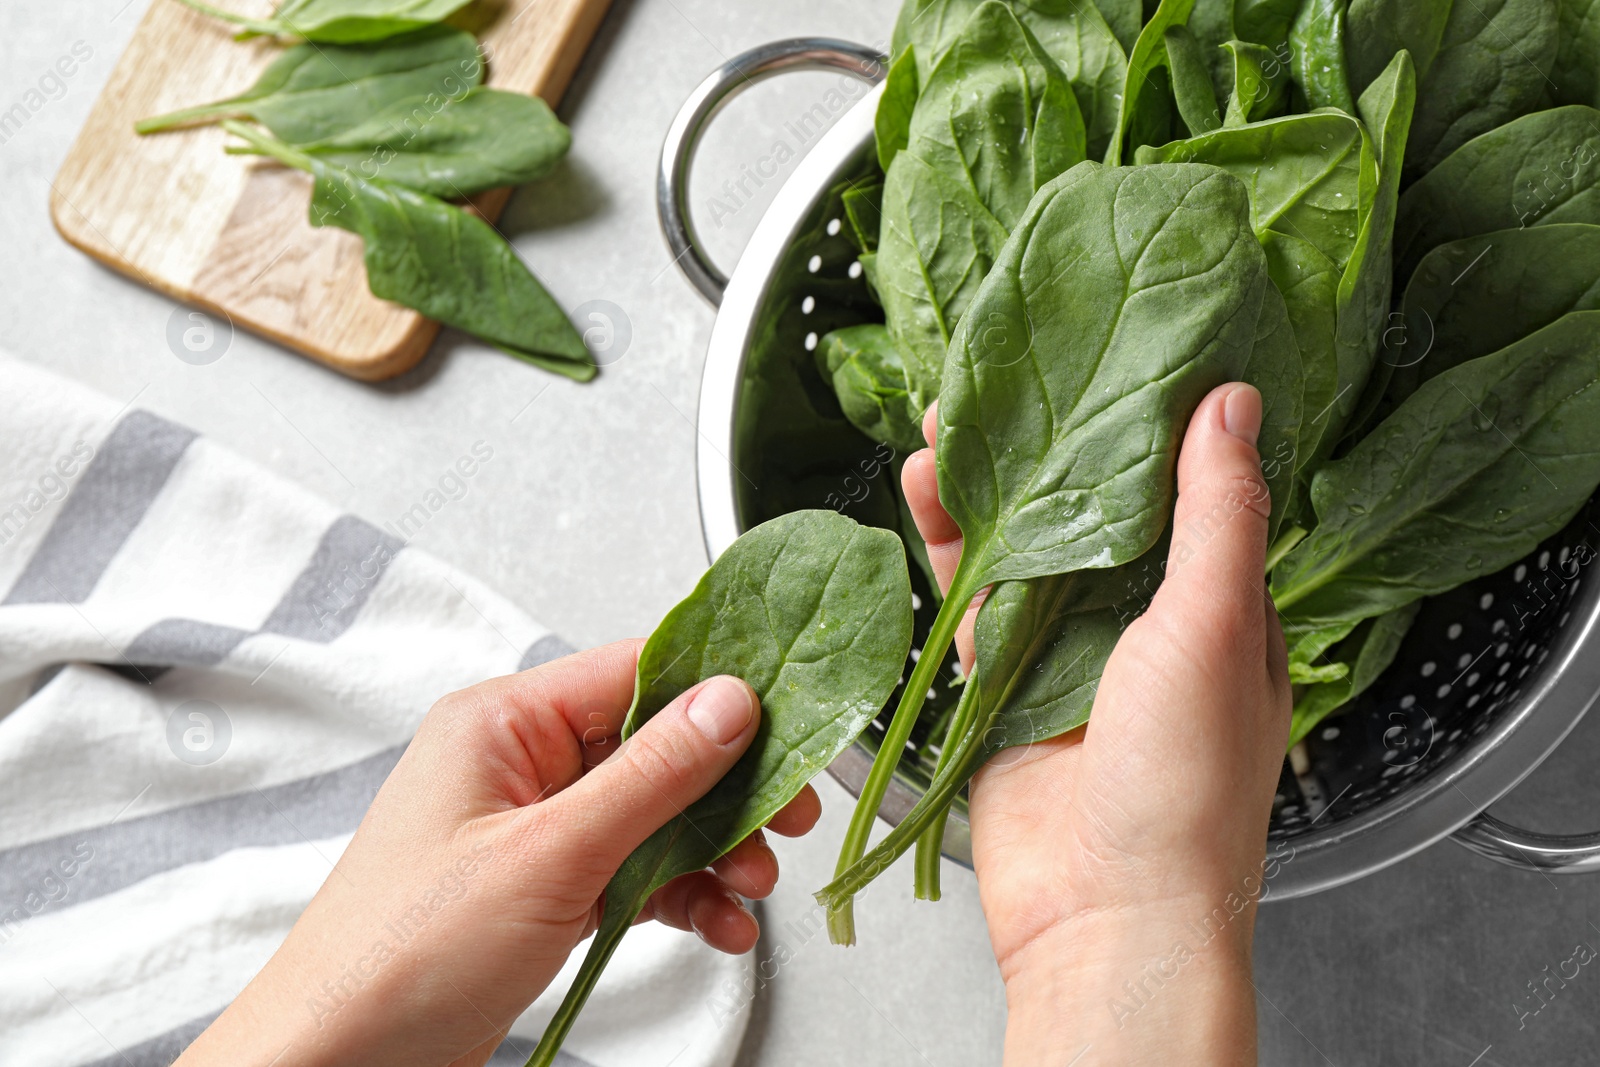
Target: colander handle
1529,851
683,137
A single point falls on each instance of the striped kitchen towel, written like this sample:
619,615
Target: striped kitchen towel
205,675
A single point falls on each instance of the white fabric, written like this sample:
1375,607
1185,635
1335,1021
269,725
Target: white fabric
185,875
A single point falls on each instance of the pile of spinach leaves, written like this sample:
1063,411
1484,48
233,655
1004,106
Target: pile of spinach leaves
1091,214
384,105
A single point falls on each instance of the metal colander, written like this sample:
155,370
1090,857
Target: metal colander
1491,678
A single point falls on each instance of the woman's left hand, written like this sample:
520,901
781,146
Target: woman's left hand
481,864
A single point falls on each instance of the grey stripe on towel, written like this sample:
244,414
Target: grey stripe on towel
102,511
123,853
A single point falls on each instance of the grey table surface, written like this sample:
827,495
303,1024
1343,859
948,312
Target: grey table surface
587,517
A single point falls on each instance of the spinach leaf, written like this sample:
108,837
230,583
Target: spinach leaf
995,121
1477,467
1122,297
1309,283
891,124
1276,369
1124,18
1363,657
1472,297
1364,290
1577,72
814,612
1318,49
868,373
1191,82
1533,171
1258,84
487,139
1377,29
1303,173
439,260
863,208
339,21
1489,70
1144,115
312,92
1265,22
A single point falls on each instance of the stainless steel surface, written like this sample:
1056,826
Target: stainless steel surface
683,136
1487,685
1528,850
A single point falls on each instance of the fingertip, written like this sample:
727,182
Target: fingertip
930,424
750,868
726,710
799,816
721,920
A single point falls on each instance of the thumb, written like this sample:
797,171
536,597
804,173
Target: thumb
674,760
1215,568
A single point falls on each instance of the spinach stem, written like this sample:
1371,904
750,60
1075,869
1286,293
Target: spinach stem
187,116
254,25
1284,545
933,807
613,925
841,915
931,842
269,146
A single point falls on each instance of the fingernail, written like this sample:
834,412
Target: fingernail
1241,414
722,709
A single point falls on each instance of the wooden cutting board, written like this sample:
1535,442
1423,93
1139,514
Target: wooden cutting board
230,233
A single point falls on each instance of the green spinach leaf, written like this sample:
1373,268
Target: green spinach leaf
814,612
867,371
1577,71
1318,48
1477,467
339,21
1362,657
439,260
312,92
995,121
891,123
1124,18
487,139
1377,29
1144,115
1192,89
1533,171
1258,85
1472,297
1489,70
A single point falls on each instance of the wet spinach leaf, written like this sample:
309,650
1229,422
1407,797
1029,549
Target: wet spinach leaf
339,21
1258,83
892,122
1316,42
1377,29
452,149
312,92
814,612
1469,474
1533,171
439,260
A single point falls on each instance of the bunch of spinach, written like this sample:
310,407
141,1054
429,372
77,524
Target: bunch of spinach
814,612
1079,333
393,120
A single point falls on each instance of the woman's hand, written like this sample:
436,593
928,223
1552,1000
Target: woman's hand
481,863
1119,865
